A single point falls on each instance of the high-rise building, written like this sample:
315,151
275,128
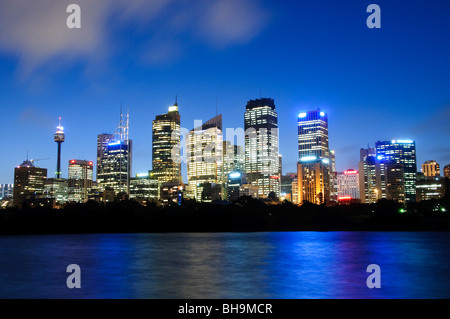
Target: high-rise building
166,163
368,191
102,145
235,181
431,169
348,184
80,180
314,164
398,152
286,185
57,190
261,146
144,188
59,138
6,190
205,158
447,171
333,178
117,160
233,158
429,187
28,183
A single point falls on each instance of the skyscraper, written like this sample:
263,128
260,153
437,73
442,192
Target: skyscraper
348,184
398,152
102,145
80,180
6,190
233,158
59,138
261,146
368,191
28,183
166,163
313,168
205,160
117,160
447,171
431,169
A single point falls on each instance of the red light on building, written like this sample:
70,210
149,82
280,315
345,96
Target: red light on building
345,198
274,177
90,163
350,172
72,161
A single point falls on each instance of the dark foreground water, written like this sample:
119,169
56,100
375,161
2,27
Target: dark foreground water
227,265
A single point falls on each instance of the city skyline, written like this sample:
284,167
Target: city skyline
384,84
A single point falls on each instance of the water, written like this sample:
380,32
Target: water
273,265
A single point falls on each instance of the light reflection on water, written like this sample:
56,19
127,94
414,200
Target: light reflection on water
227,265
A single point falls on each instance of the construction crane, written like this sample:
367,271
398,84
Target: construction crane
39,159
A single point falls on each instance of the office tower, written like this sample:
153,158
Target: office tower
28,183
431,169
102,144
117,160
447,171
59,138
6,190
348,184
395,182
398,152
166,163
235,181
368,191
80,180
261,146
205,160
57,190
144,188
313,168
233,158
429,187
172,193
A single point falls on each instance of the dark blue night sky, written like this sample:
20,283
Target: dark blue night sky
375,84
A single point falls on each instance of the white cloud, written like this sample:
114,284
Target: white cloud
36,32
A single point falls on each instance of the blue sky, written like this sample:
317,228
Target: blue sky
375,84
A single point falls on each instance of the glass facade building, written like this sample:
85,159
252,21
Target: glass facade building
261,146
80,180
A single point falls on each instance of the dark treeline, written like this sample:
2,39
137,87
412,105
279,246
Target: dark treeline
246,214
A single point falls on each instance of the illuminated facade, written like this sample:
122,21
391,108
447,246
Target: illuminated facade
166,163
348,184
431,169
235,181
205,156
102,144
28,183
314,164
368,191
6,190
447,171
398,152
261,146
233,158
116,160
80,180
144,188
429,187
395,182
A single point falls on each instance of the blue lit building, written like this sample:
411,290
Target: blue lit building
235,180
397,152
314,164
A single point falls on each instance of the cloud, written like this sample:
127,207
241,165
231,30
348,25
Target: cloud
35,31
436,123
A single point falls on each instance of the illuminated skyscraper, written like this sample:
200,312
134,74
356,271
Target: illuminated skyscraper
116,161
261,146
233,158
314,165
80,180
348,184
166,163
28,183
6,190
368,191
205,158
398,152
431,169
102,144
59,138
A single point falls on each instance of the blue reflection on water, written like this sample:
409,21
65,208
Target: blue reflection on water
227,265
